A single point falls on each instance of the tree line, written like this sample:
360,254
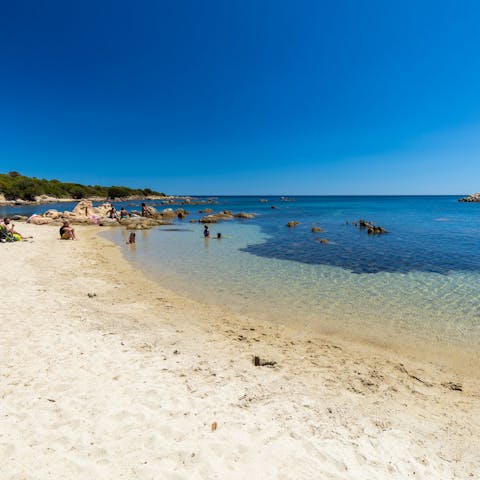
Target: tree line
17,186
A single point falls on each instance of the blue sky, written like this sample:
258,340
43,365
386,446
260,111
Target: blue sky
244,97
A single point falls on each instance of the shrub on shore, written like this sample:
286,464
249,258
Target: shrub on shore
14,186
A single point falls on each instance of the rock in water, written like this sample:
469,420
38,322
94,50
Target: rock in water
475,197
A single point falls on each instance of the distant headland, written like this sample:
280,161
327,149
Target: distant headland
474,197
18,189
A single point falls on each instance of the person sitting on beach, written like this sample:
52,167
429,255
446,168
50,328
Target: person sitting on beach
9,227
124,213
67,232
112,213
206,231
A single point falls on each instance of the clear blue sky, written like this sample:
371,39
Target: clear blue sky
244,97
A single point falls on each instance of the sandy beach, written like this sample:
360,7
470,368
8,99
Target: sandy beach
106,374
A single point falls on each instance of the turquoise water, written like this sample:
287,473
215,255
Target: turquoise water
416,288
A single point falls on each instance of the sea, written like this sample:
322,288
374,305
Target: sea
415,288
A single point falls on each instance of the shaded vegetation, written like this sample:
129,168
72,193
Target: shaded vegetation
16,186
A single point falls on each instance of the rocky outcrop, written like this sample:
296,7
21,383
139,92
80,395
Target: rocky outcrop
85,209
292,224
39,220
142,223
371,228
475,197
244,215
215,217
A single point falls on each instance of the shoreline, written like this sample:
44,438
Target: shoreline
52,200
139,374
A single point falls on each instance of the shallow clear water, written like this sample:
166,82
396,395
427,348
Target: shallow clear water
417,286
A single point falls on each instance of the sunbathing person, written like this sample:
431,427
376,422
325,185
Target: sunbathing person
67,232
9,227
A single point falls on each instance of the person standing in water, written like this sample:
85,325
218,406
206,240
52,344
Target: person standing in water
206,231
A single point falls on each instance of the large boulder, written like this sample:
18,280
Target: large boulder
107,222
39,220
151,212
84,208
52,214
102,210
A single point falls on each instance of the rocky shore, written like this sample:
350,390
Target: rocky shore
475,197
45,199
85,213
164,200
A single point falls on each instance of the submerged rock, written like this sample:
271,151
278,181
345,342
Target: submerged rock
317,229
244,215
292,224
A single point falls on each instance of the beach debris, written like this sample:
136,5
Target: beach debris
260,362
402,369
292,224
51,400
453,386
176,352
91,295
317,229
214,426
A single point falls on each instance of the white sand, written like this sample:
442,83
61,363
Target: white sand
126,385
